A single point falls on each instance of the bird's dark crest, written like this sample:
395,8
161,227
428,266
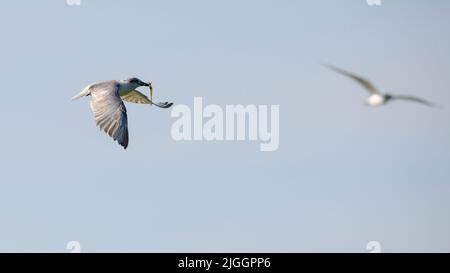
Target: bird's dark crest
134,80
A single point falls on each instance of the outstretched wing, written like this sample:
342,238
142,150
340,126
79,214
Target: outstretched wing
136,97
364,82
110,112
163,104
414,99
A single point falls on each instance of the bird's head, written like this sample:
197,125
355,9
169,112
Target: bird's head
135,83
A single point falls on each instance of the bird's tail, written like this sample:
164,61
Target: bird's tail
83,93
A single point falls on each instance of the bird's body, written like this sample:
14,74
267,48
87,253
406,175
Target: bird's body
109,110
376,97
125,91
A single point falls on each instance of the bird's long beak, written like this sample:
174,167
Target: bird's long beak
144,84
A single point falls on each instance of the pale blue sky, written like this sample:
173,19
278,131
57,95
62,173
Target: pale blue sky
344,174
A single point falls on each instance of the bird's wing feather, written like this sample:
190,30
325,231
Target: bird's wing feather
136,97
414,99
364,82
163,104
110,112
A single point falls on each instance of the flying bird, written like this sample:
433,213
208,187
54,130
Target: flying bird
109,109
376,97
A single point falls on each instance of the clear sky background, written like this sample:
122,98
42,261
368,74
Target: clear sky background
344,174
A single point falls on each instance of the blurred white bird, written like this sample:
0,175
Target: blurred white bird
109,110
377,98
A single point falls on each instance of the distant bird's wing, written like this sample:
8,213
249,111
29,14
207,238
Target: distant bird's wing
414,99
109,111
136,97
163,104
364,82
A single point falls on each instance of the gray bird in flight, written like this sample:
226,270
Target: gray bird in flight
376,97
109,110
